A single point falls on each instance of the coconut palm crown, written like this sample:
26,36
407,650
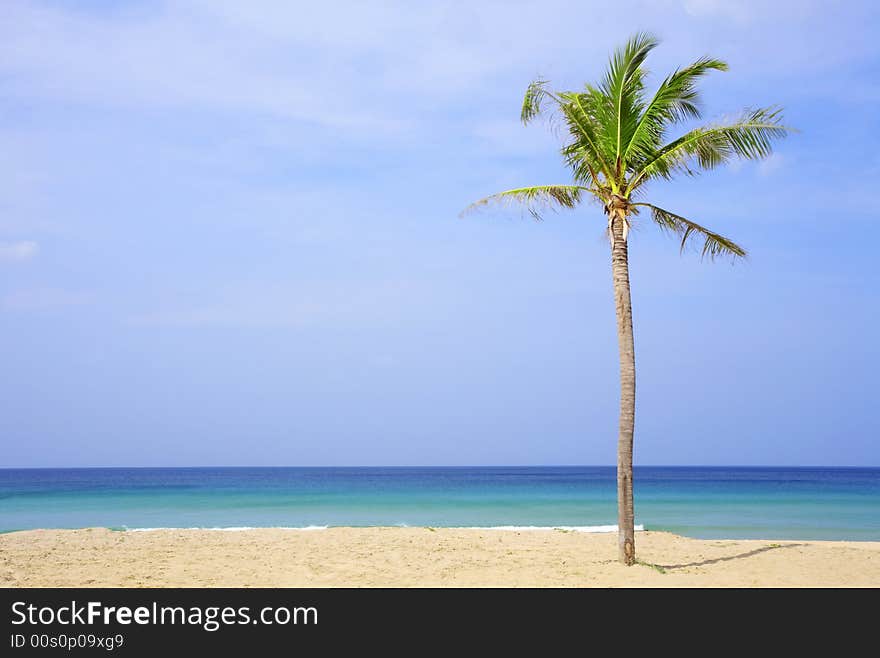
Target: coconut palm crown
616,142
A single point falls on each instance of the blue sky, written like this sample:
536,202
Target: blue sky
229,235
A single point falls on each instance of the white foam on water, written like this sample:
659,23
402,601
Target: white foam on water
569,528
514,528
233,528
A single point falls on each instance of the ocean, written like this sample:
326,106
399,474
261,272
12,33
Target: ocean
719,502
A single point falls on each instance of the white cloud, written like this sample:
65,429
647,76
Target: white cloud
357,68
731,9
510,137
167,59
771,164
294,305
17,252
371,68
43,299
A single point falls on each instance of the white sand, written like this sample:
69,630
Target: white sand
407,557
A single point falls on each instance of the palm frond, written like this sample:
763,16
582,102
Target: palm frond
577,118
749,138
535,199
623,86
714,244
535,95
586,150
676,99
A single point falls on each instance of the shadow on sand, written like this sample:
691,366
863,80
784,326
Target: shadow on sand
728,558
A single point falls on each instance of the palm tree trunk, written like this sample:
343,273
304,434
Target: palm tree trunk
623,305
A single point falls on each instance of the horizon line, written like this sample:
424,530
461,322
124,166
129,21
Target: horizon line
390,466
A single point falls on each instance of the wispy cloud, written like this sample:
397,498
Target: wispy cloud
771,164
44,299
206,61
17,252
294,305
369,73
729,9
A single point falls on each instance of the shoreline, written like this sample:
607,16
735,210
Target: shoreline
421,557
596,529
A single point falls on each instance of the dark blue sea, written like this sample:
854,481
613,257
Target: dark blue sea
765,503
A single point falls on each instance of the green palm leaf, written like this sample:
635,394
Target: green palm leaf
622,86
676,99
536,94
749,138
713,244
536,199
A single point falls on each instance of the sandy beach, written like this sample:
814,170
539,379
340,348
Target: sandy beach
420,557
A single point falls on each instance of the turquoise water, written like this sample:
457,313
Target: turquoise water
766,503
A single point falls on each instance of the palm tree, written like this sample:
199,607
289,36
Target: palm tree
616,143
